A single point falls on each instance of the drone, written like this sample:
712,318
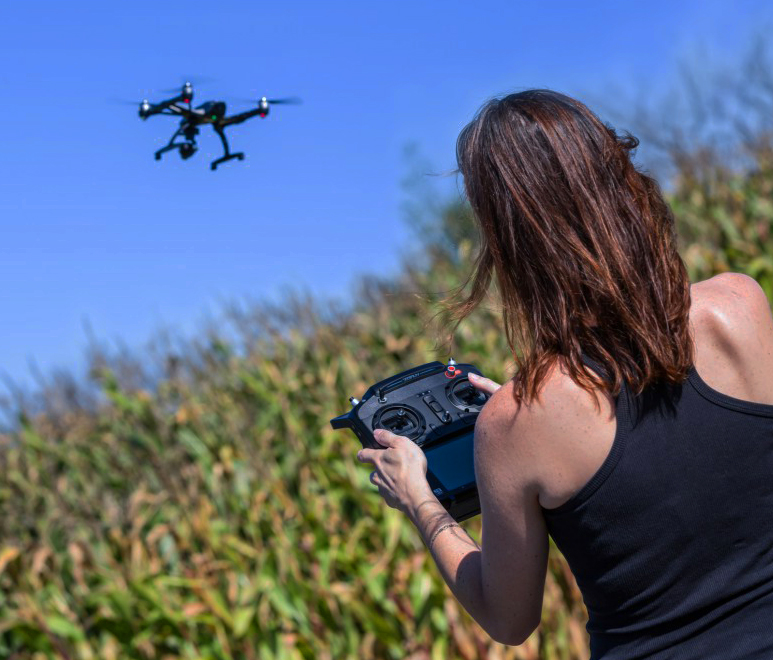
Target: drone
209,112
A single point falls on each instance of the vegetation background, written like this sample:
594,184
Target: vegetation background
193,501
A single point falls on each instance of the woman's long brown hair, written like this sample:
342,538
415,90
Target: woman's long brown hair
582,246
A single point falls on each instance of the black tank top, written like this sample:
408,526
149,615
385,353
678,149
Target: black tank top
671,541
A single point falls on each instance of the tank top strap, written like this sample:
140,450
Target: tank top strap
623,399
616,451
595,366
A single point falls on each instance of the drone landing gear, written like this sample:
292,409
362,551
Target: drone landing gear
228,155
168,147
187,149
213,165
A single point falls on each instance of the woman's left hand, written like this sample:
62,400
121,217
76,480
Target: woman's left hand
401,471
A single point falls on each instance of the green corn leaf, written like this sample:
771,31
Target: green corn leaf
63,627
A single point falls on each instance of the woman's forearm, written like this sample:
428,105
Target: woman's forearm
457,556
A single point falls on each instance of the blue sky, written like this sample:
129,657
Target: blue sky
94,230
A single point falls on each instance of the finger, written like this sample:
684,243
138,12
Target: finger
367,455
485,384
375,479
386,438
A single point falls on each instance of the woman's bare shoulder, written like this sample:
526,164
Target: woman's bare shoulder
559,439
732,326
733,308
734,288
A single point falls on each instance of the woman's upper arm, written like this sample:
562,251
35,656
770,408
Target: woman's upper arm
514,543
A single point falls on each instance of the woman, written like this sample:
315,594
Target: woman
638,428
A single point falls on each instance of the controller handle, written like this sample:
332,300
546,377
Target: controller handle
342,421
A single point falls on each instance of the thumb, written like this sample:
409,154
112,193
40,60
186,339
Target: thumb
485,384
385,437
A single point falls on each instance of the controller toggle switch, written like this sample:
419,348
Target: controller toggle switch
434,405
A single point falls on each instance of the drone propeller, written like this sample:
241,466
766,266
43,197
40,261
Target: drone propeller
187,80
144,105
290,100
175,90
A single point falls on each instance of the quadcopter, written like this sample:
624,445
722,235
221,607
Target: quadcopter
210,112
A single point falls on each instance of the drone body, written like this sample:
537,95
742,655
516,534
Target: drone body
210,112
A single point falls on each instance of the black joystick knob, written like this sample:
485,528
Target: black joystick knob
470,395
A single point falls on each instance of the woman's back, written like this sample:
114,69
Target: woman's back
664,509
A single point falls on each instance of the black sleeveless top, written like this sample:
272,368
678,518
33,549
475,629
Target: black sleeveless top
671,541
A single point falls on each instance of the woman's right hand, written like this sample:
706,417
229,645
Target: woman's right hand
484,384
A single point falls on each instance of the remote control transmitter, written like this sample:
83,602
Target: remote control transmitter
436,406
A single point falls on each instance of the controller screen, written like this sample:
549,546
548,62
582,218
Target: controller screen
452,462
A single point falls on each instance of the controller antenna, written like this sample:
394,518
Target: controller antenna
353,401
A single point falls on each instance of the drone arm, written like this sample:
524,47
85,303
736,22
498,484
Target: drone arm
152,110
180,110
169,107
242,116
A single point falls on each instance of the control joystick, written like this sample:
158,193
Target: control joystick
464,394
400,420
